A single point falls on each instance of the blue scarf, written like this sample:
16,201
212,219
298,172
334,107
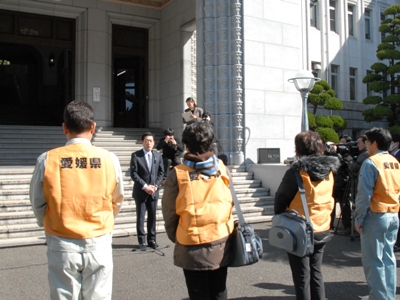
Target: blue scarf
208,167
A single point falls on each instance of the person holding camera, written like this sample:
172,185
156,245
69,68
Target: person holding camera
355,166
341,176
172,150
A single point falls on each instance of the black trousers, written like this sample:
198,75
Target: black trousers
141,207
168,162
307,275
207,285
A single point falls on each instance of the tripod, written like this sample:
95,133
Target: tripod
349,198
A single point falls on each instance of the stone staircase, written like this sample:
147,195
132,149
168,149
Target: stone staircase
21,145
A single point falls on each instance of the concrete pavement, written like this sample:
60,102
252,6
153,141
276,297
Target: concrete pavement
149,275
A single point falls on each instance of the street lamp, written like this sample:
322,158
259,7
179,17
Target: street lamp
304,82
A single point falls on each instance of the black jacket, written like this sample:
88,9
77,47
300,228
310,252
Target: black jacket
317,167
169,150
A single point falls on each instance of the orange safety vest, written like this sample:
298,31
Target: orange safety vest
320,201
204,205
387,188
79,182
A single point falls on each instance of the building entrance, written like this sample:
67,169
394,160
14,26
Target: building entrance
130,75
36,68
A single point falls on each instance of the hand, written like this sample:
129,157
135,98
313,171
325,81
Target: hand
153,188
172,140
359,228
193,117
149,190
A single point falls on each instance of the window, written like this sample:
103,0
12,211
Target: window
334,77
353,72
367,20
315,68
313,15
350,19
369,93
332,15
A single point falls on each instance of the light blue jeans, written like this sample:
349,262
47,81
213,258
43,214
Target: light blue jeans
80,269
378,236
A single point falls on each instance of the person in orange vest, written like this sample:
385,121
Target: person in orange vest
317,173
197,207
376,220
76,191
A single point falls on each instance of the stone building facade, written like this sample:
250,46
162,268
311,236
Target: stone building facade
136,61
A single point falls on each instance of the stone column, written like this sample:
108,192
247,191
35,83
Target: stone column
220,71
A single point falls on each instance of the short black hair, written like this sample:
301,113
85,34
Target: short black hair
78,116
148,133
198,136
347,137
169,131
381,136
362,137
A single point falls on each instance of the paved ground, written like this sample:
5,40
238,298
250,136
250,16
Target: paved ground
149,275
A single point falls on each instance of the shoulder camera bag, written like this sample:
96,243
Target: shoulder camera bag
290,231
247,247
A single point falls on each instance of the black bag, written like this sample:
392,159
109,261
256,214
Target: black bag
291,232
247,248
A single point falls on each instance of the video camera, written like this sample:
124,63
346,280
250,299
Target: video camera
345,150
348,149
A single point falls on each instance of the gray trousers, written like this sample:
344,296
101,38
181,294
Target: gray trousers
80,268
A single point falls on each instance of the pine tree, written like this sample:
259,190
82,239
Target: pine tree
385,77
322,95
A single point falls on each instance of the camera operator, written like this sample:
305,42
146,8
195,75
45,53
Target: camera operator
355,165
341,178
172,150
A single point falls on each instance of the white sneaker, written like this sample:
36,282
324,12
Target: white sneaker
365,298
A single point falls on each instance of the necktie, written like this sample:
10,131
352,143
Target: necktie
149,160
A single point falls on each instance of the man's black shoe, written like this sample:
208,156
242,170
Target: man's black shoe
153,245
142,247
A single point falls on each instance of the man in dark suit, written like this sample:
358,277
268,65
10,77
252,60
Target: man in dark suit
147,172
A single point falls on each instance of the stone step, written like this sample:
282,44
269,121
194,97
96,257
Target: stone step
119,231
21,145
16,230
21,208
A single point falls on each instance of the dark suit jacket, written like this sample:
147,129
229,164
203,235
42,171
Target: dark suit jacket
141,174
397,156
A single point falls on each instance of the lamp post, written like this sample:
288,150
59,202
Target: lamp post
304,82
